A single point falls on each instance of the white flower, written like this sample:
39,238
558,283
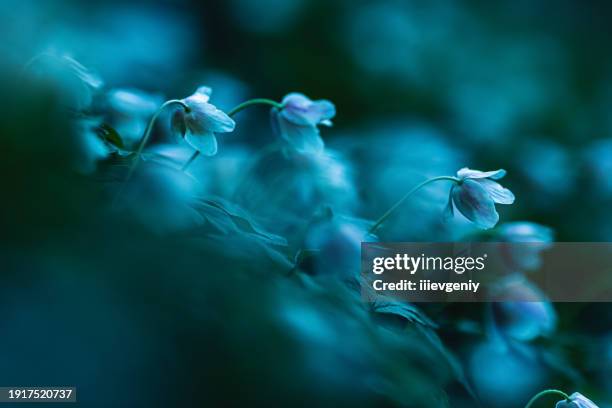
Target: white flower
576,400
476,194
297,122
200,121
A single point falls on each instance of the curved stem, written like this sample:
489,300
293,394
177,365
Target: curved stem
256,101
146,136
395,206
191,159
149,128
546,392
235,110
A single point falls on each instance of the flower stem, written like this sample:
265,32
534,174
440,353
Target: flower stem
256,101
191,159
546,392
395,206
145,138
238,108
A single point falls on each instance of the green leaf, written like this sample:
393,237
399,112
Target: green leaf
448,357
241,220
404,310
113,137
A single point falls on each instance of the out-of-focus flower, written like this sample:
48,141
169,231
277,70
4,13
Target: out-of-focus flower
576,400
526,241
130,111
162,198
199,124
598,158
503,374
521,311
88,147
476,194
337,244
297,121
219,175
290,187
74,83
525,231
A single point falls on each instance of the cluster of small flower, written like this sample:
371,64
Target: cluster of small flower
163,186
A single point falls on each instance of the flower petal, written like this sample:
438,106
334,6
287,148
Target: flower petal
295,98
477,174
205,143
200,96
499,194
449,211
304,139
300,110
205,117
218,121
577,400
177,124
583,402
204,90
275,119
475,203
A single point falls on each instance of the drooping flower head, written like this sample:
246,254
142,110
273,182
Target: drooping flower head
576,400
476,194
298,120
199,123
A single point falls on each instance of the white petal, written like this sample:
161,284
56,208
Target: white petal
475,203
296,98
204,90
201,95
499,194
300,110
449,211
217,120
304,139
177,124
205,143
477,174
205,117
